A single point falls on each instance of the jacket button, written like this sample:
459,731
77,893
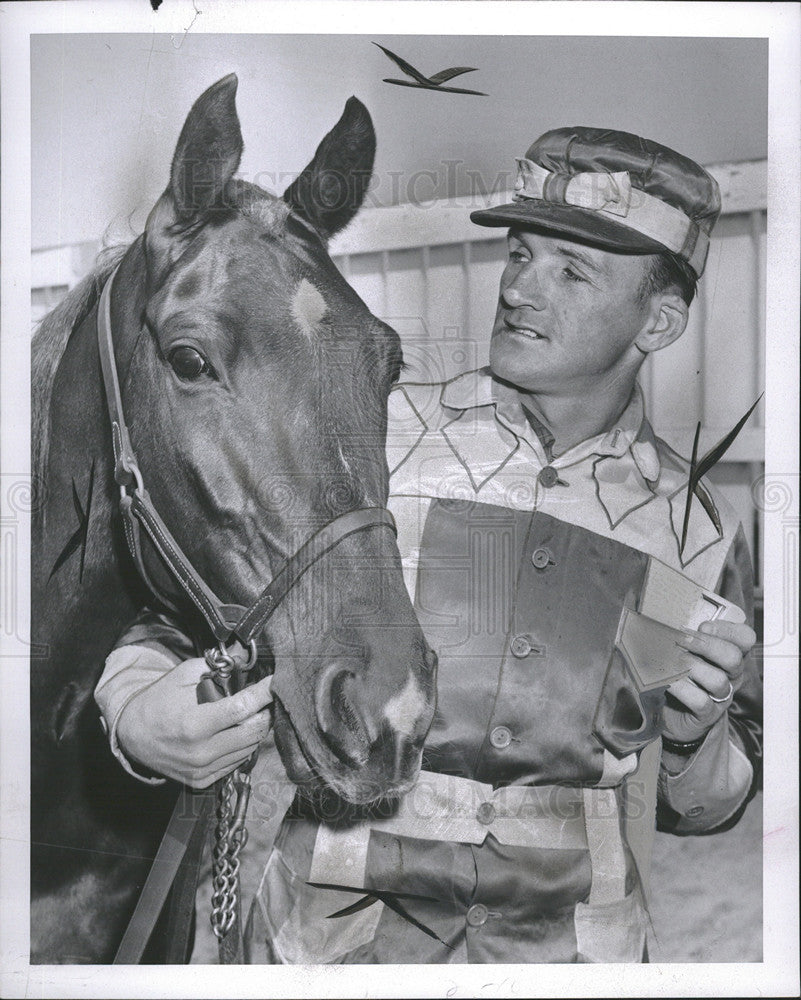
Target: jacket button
520,646
548,476
500,737
485,813
695,811
541,557
477,915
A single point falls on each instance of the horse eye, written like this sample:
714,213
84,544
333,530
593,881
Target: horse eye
188,363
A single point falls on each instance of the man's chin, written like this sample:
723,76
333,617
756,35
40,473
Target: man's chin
509,367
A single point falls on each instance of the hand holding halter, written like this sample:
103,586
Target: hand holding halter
196,740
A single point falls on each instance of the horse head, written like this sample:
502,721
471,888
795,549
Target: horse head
255,384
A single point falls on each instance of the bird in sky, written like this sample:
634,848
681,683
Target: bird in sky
421,82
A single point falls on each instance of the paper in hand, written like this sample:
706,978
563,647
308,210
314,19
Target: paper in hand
670,603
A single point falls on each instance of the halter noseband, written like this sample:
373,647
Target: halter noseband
227,622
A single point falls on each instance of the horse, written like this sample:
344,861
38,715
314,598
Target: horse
254,383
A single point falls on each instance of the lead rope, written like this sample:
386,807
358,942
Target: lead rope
230,833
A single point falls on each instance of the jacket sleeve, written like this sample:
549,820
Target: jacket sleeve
710,794
149,647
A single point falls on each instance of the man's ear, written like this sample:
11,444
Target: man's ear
667,320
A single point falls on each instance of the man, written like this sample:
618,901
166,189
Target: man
540,522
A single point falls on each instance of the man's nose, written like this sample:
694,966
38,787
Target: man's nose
525,289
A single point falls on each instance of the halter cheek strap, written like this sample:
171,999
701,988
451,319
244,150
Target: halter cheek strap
226,621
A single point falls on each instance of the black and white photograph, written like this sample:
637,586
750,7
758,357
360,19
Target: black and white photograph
399,498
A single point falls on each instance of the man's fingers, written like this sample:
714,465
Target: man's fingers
257,727
204,775
219,763
688,694
236,739
242,705
712,680
214,716
721,653
704,693
742,635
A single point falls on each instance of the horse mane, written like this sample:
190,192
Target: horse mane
49,342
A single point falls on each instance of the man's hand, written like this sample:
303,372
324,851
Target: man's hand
166,729
690,711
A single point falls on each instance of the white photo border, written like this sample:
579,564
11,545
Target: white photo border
780,23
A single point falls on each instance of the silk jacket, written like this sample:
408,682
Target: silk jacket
528,835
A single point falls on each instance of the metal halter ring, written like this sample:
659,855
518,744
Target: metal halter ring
223,663
139,484
719,701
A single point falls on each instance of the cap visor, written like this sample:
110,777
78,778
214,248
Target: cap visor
567,220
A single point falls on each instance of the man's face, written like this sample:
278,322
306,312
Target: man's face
568,314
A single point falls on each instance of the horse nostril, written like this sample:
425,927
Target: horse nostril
342,725
342,704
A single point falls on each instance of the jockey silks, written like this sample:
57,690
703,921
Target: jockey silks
527,837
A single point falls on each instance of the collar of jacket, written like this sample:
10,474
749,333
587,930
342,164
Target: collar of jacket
631,434
630,469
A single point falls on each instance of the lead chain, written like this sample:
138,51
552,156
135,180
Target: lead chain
233,795
230,837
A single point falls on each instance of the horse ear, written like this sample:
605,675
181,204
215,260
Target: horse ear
208,151
206,158
331,189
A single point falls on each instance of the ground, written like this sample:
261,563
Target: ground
707,899
706,903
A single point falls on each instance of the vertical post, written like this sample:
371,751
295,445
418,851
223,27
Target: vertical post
384,284
466,262
705,303
758,314
756,468
425,252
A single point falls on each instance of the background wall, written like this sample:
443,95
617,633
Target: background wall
107,109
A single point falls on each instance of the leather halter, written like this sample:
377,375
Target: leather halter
227,622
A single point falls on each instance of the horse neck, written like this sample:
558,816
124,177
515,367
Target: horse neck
79,560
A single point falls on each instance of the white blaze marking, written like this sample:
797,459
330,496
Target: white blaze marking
308,307
404,710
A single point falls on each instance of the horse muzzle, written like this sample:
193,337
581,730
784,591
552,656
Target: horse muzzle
360,746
